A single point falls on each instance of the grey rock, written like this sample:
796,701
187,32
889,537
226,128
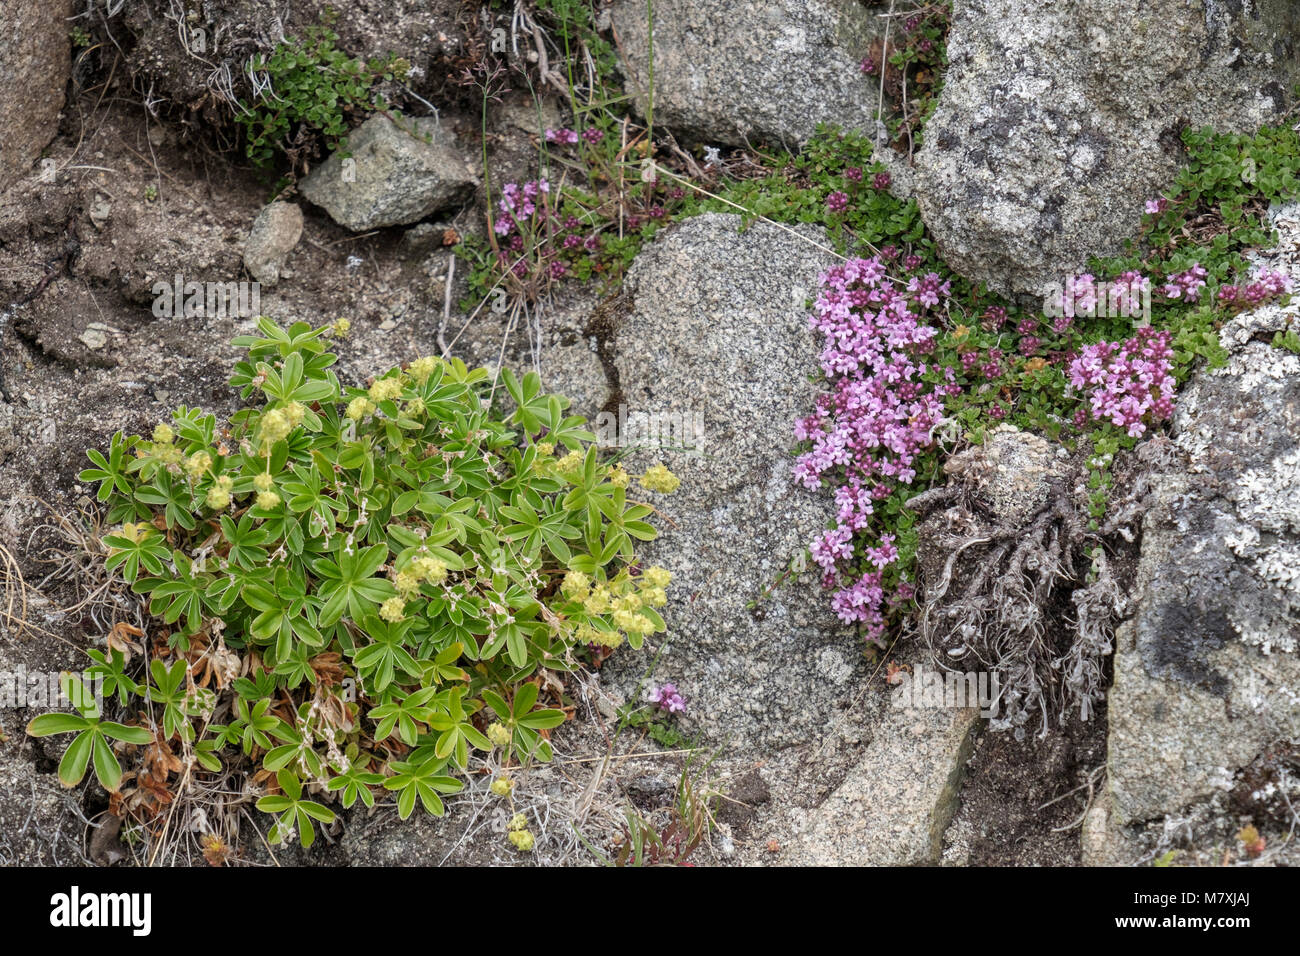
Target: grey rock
393,177
1049,135
732,71
1207,671
718,333
275,232
34,49
893,808
1012,472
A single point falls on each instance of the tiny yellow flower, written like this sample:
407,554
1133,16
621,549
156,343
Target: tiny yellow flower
522,840
518,822
430,569
407,584
502,786
598,601
267,500
359,408
659,478
499,734
225,483
198,464
163,434
655,597
295,411
217,499
545,448
423,367
570,464
657,577
393,610
275,425
576,586
385,388
618,477
341,327
263,482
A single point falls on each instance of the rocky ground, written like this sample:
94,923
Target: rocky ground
118,171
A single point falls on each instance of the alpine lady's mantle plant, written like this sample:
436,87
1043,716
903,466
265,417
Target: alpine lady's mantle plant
355,586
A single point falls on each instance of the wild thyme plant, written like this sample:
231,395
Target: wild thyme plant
356,586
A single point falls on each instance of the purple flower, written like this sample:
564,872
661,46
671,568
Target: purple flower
882,180
666,698
1127,383
1156,206
837,201
592,135
565,137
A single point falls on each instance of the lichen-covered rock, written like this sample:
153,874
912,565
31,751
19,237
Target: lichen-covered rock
34,49
1011,471
718,334
732,71
1207,671
1057,121
275,232
390,175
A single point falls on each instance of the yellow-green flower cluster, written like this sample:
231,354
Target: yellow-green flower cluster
423,367
659,478
383,389
359,408
519,834
621,602
163,434
502,786
499,734
429,569
198,464
618,477
340,328
570,466
218,496
275,425
393,610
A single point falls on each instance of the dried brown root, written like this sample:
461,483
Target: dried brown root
995,600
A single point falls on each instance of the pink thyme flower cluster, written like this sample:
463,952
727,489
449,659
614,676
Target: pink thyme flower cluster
1186,285
1266,287
1127,382
565,137
518,205
837,201
666,698
877,417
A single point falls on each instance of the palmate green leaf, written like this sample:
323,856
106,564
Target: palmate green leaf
422,782
128,555
110,472
348,585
